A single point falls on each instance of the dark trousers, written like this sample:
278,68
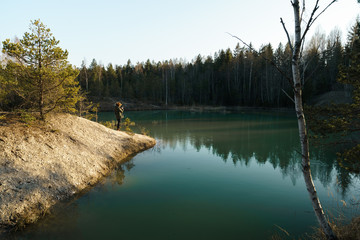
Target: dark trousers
118,123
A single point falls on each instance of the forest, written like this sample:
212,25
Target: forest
239,77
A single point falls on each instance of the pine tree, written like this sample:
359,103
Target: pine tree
44,79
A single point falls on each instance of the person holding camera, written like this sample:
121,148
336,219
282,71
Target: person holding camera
119,113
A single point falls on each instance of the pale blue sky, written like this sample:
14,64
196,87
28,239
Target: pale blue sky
114,31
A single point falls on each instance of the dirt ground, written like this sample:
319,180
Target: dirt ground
45,163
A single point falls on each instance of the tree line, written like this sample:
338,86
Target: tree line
239,77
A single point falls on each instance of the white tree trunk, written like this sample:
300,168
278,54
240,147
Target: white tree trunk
87,80
251,66
166,87
297,87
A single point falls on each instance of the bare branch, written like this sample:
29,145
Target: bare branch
302,11
324,10
55,104
302,49
57,85
300,153
312,19
311,74
288,96
266,59
287,34
251,48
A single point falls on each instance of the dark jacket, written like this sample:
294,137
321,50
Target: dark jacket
119,112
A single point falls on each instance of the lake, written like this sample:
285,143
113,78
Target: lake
210,176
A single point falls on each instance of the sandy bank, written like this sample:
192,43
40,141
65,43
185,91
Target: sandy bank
42,165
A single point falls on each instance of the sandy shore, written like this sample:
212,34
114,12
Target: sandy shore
47,163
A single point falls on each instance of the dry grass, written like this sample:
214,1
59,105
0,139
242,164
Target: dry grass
349,231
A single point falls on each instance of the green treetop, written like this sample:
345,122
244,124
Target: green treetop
45,81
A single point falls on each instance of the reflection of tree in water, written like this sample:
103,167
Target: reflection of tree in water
64,214
244,138
323,164
118,175
58,219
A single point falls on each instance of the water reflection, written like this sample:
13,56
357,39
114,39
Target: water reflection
118,175
61,218
244,138
204,165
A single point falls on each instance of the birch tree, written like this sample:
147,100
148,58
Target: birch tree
84,70
297,86
295,81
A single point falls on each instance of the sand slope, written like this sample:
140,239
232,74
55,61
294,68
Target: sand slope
41,165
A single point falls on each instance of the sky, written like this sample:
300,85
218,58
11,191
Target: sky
113,31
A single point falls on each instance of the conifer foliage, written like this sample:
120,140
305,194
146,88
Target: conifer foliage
341,121
38,74
238,77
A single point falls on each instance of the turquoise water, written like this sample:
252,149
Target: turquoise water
210,176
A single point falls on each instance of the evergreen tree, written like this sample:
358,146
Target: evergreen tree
334,57
112,81
241,77
44,78
343,119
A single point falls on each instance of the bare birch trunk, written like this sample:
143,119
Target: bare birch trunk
183,91
302,127
251,65
121,85
236,75
228,81
99,82
212,87
166,87
87,80
244,83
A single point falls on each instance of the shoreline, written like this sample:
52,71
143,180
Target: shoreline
108,107
107,103
45,164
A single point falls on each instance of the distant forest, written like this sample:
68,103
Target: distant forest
239,77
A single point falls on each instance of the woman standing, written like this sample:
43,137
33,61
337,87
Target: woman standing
119,110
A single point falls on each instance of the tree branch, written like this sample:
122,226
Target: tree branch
302,11
287,34
312,19
288,96
55,104
57,85
266,59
